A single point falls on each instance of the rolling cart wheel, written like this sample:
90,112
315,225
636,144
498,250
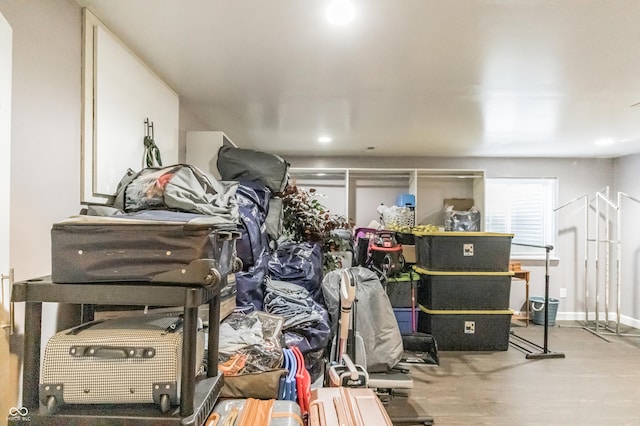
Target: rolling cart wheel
52,404
165,403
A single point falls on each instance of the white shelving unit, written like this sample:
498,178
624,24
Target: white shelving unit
357,192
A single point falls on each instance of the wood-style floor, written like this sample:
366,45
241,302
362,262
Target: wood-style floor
597,383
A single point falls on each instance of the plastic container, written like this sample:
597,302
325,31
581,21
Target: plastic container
537,308
406,200
464,290
403,316
463,251
467,330
399,289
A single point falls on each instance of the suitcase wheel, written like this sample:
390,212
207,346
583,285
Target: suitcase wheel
52,404
165,403
237,265
214,277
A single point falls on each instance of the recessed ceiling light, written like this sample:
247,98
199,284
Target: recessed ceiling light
324,139
604,142
340,12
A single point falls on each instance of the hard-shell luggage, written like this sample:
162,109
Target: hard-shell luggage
126,360
255,412
147,246
347,406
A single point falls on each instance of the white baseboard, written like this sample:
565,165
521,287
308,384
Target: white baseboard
580,316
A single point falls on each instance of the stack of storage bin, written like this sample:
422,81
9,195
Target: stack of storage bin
464,289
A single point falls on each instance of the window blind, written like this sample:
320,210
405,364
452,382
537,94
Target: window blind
523,207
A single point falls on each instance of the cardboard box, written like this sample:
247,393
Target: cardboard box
409,253
459,204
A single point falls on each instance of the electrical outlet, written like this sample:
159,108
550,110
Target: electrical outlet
563,293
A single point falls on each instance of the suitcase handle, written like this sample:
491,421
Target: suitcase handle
228,235
111,352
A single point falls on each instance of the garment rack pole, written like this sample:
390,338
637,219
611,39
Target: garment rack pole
545,348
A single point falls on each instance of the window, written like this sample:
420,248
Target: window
523,207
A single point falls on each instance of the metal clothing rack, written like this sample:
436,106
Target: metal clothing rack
524,344
585,325
617,206
598,327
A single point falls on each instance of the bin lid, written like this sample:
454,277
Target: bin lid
462,234
465,312
423,271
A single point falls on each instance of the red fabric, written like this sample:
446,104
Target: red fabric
303,382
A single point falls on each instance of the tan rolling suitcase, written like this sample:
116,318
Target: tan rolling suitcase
127,360
347,406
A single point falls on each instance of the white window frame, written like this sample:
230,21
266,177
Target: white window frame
505,197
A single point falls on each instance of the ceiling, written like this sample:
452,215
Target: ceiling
498,78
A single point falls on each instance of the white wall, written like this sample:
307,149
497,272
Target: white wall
45,157
576,177
45,126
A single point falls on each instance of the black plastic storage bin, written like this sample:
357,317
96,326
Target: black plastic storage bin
399,289
464,290
463,251
467,330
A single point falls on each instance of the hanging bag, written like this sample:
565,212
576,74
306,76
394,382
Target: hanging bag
241,164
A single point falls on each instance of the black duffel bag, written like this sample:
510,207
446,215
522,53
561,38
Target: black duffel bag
242,164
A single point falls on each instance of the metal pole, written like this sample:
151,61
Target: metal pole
596,261
546,299
618,261
545,351
607,262
607,241
586,259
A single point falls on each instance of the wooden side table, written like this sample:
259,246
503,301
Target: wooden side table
524,275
